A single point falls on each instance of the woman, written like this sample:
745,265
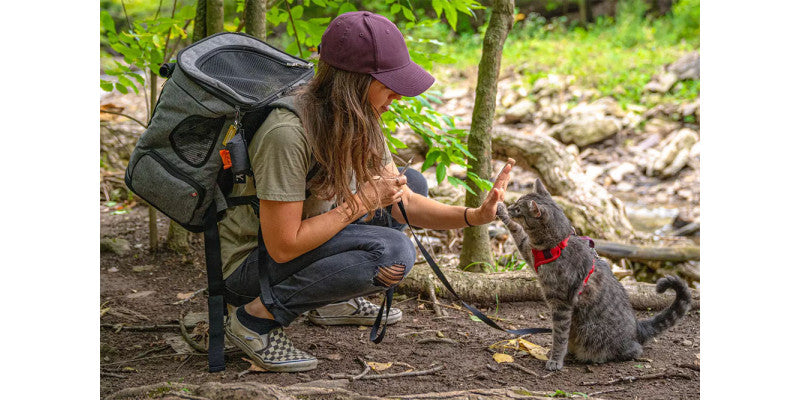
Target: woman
320,175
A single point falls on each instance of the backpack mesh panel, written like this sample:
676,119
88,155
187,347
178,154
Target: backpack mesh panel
193,138
250,74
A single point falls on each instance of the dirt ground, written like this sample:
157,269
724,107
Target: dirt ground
140,287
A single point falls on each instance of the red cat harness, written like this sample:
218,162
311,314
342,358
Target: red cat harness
549,255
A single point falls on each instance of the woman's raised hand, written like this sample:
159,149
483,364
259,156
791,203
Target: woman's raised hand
487,210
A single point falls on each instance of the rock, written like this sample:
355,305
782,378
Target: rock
551,84
686,67
619,172
574,150
522,111
144,268
585,129
178,344
625,187
674,153
455,93
139,295
113,269
687,342
117,246
552,112
660,126
593,171
661,83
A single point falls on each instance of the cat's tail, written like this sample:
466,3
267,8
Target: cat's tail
651,327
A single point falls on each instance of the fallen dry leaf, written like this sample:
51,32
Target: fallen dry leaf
377,367
502,358
253,366
184,296
533,349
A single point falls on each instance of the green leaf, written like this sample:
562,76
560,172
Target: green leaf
320,3
346,7
185,12
128,83
395,9
458,182
297,12
409,15
106,22
437,6
138,78
106,85
121,88
452,15
441,172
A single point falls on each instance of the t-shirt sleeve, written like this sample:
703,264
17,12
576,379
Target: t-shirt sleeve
280,159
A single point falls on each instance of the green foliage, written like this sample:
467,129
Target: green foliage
562,394
142,46
617,56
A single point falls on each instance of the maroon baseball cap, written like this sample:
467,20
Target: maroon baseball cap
360,41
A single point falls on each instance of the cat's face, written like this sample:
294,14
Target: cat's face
541,217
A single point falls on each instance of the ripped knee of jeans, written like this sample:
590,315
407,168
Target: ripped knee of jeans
389,275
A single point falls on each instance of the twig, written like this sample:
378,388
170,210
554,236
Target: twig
296,34
404,374
196,292
432,296
113,375
162,356
437,340
141,328
125,115
548,374
151,351
690,366
416,332
606,391
363,373
468,312
189,340
523,369
629,379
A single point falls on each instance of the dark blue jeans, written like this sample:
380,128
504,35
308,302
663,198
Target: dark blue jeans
340,269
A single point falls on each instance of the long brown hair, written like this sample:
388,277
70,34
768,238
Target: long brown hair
344,133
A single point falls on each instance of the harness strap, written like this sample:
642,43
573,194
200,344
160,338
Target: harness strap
216,292
440,275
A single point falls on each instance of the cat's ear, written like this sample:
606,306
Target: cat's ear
534,209
539,187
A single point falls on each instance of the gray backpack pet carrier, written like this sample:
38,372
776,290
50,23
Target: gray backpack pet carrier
218,93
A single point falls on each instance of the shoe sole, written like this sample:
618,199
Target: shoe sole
289,366
351,320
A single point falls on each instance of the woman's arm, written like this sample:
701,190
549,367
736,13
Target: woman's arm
287,235
429,213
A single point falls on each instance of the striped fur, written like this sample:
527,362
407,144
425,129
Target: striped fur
598,325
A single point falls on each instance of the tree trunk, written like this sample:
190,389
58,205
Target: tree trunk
476,251
199,21
255,21
518,286
592,210
215,16
178,238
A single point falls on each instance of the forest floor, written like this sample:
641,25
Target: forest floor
140,287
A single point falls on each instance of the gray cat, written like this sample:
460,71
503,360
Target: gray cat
592,315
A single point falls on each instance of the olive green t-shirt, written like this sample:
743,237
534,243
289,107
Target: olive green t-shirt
280,157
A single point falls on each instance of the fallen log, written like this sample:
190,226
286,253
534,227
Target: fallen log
477,288
646,253
321,390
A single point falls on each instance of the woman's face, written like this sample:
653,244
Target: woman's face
381,96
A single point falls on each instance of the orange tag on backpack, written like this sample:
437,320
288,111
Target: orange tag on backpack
226,159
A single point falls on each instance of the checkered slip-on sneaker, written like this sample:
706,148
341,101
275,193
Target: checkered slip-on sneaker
357,311
272,351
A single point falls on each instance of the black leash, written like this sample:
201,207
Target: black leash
387,301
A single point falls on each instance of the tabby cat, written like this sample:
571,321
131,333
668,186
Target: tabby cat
592,315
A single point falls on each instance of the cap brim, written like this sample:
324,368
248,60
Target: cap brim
408,81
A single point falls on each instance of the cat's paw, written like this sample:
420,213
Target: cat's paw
502,212
554,365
